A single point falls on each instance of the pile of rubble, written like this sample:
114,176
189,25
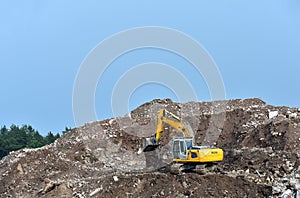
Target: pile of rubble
104,158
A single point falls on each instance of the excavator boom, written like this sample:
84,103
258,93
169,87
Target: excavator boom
164,117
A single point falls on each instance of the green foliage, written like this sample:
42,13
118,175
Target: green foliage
16,138
66,130
50,138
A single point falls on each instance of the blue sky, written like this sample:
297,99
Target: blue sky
255,45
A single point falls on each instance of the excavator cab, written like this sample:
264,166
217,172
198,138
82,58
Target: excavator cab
180,147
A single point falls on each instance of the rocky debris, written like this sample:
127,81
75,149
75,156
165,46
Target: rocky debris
184,185
104,158
50,185
273,114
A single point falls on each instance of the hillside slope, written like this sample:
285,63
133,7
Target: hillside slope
103,158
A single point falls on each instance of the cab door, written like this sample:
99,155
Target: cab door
179,149
183,150
176,149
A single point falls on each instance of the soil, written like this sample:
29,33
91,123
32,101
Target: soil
104,159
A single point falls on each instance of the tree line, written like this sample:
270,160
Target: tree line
15,138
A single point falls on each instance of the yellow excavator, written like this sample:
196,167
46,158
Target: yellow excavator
183,149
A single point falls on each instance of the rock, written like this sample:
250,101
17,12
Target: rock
47,181
293,115
95,192
273,114
50,185
184,184
118,158
70,185
111,121
288,193
276,190
240,172
115,178
247,171
20,169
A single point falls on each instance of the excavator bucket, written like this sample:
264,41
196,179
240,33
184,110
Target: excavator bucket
149,144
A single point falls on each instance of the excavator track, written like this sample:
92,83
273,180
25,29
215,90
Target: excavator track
202,169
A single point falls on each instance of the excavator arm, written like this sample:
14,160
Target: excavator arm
164,117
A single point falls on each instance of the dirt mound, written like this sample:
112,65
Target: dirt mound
186,185
104,159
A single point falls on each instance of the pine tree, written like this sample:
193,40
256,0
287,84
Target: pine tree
16,138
